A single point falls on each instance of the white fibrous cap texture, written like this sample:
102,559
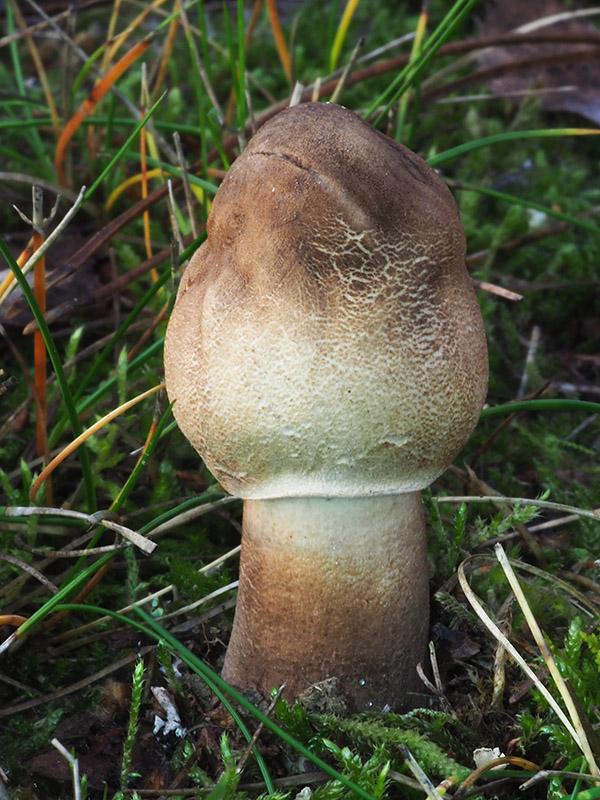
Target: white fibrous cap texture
326,339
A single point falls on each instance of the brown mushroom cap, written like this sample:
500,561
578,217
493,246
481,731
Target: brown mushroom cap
326,339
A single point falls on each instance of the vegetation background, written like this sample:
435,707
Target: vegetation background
132,113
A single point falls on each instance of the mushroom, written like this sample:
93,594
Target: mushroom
327,359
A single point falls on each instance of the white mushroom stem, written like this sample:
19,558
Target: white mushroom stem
332,587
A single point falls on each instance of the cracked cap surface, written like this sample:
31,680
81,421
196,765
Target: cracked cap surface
326,339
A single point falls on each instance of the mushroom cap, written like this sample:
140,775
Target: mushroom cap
326,339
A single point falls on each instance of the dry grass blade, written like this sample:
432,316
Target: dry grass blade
581,737
524,501
73,764
30,571
72,446
203,600
575,729
335,97
39,65
9,284
497,633
496,762
145,545
282,49
419,773
151,597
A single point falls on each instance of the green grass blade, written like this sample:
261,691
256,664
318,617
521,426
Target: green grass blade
508,136
123,148
51,605
110,383
132,155
521,201
413,69
340,35
34,139
142,463
541,405
83,72
186,505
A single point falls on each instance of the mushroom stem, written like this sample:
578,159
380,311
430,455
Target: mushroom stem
332,587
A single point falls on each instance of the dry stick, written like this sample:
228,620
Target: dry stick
186,183
107,290
347,70
54,554
34,28
558,679
493,288
21,177
524,30
148,333
7,588
552,773
485,96
535,236
485,75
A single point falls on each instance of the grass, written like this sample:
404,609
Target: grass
89,623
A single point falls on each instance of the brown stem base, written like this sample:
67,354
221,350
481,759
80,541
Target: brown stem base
333,587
